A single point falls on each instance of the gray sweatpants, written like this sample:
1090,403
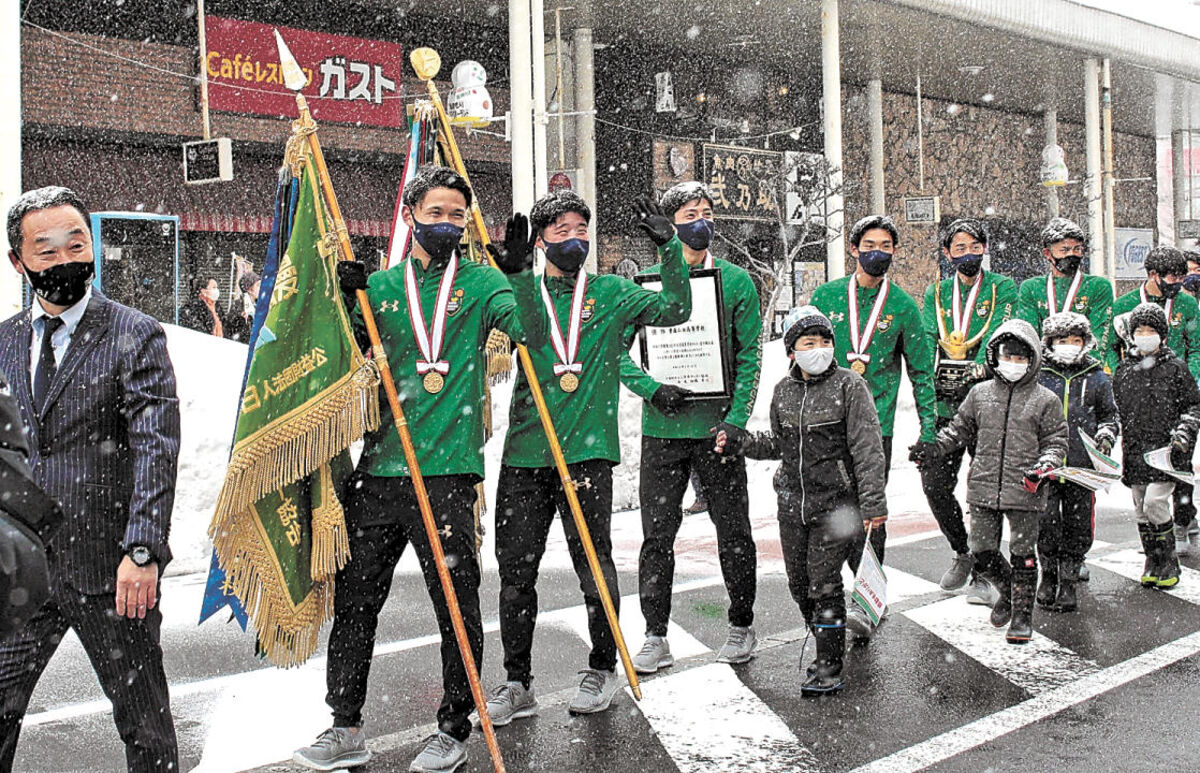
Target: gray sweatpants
987,524
1152,502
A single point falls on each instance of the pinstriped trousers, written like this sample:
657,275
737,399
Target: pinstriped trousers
128,661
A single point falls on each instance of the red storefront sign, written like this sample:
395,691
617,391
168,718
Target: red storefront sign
350,80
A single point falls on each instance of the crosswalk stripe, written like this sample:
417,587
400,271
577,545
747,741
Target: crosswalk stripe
1129,563
1038,666
709,721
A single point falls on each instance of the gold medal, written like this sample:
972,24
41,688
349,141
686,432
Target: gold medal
433,382
569,382
859,367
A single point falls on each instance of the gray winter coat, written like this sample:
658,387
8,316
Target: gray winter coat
1015,428
827,432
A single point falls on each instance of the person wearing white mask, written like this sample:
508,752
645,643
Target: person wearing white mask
1159,404
201,313
1020,435
1071,371
830,483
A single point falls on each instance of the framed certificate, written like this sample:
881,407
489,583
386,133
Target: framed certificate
693,354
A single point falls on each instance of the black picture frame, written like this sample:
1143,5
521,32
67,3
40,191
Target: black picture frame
705,283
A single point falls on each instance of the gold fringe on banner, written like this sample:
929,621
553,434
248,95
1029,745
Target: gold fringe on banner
287,634
330,538
499,357
299,442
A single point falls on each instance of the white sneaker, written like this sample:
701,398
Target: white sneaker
655,654
982,593
595,693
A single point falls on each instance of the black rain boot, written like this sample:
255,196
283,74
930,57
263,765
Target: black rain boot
825,674
1168,561
1047,590
1024,581
1068,577
994,569
1149,547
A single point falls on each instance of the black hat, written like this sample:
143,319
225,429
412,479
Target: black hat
1150,315
805,320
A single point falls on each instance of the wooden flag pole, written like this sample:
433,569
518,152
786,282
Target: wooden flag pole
426,62
308,126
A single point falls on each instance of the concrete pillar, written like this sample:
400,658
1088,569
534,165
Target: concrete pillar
1051,119
538,55
521,110
831,90
10,145
1092,191
875,128
585,124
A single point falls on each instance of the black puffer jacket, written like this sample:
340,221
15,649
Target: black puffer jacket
1015,427
827,432
1155,395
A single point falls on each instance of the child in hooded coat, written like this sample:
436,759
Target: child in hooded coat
1078,379
1019,433
1160,406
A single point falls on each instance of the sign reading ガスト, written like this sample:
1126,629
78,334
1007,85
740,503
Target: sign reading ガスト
350,80
745,183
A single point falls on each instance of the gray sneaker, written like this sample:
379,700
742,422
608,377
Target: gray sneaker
511,700
337,747
595,693
959,572
655,654
982,593
442,754
739,645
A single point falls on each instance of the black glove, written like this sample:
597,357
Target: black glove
924,453
670,399
352,277
1180,458
1034,477
1105,442
735,437
516,254
656,224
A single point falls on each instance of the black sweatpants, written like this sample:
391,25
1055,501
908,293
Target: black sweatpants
1068,523
666,466
939,481
526,501
128,661
813,554
383,518
1185,508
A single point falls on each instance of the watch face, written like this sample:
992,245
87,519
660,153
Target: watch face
140,555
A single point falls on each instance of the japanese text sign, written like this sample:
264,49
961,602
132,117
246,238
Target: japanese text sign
350,80
745,182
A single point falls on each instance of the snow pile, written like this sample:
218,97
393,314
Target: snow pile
208,374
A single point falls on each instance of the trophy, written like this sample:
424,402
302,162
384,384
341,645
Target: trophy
953,371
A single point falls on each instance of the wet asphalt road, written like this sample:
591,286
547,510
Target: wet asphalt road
1110,687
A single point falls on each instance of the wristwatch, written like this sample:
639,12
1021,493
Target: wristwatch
140,555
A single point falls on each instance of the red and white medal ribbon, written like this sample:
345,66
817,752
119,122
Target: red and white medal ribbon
430,341
859,344
568,349
708,260
1168,307
1052,297
962,314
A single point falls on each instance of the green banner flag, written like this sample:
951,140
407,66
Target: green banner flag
279,531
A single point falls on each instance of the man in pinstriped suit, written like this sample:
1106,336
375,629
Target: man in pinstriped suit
96,389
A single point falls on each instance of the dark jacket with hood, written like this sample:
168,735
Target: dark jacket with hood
1156,394
1085,390
826,431
1015,428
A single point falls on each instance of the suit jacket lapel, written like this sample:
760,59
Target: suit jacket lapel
87,334
16,340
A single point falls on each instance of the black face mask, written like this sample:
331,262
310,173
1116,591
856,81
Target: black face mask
1068,265
568,255
1169,289
62,284
968,265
